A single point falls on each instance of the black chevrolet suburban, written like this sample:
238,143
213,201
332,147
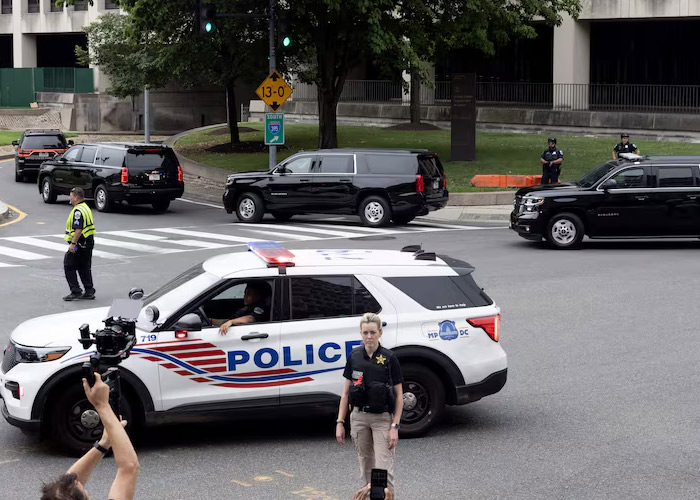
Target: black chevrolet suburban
112,172
378,185
631,197
34,147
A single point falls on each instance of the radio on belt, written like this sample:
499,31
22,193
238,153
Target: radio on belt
274,254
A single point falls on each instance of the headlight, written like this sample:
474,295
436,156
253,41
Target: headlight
38,354
229,180
531,204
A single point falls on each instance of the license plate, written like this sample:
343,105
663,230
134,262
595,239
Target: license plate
43,155
436,184
153,177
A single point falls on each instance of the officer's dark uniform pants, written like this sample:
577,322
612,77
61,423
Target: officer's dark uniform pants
550,175
370,434
79,263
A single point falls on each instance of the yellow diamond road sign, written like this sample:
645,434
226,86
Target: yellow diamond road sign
274,90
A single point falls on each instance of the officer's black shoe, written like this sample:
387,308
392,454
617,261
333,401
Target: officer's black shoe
73,296
87,296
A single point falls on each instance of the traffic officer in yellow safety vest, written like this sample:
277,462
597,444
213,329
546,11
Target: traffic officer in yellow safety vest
80,232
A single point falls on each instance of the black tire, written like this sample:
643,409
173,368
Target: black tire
282,216
405,219
565,231
102,201
424,400
73,421
161,205
375,211
48,193
250,208
19,177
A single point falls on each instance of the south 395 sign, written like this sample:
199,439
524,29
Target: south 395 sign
274,129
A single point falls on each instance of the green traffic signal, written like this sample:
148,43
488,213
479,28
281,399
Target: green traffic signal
209,27
286,41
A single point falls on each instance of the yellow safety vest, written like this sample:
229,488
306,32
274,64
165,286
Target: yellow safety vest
88,227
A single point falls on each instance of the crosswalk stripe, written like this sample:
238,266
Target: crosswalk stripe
21,254
202,234
199,244
374,230
2,264
292,227
280,234
49,245
441,225
139,247
136,236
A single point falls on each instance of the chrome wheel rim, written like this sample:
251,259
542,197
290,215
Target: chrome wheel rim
564,232
47,189
246,208
374,212
100,198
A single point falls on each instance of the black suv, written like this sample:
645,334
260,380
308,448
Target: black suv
112,172
635,196
378,185
35,147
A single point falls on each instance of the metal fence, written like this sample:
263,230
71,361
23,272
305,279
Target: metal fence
557,96
70,80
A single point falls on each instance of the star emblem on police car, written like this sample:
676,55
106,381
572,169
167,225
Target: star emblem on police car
381,359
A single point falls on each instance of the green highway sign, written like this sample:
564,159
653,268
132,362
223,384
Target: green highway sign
274,129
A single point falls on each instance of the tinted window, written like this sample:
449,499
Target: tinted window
430,167
43,142
171,285
299,165
157,158
676,177
442,292
336,165
88,155
73,153
630,178
364,301
327,297
112,157
392,164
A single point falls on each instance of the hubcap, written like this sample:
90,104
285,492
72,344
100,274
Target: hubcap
47,189
564,231
246,208
374,212
100,198
416,403
90,419
84,422
409,401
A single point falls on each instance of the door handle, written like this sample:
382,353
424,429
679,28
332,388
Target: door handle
642,197
255,336
692,197
345,180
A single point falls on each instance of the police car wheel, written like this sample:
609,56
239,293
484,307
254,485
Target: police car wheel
423,400
250,208
102,201
565,231
75,424
282,216
374,211
47,192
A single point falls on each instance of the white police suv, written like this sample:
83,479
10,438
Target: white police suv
443,328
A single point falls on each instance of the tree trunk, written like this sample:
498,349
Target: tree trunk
231,112
415,97
327,119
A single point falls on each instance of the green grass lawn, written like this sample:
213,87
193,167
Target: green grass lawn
496,153
7,136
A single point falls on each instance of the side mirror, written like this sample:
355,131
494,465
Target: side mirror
152,314
136,293
15,143
282,170
609,184
190,322
70,143
61,158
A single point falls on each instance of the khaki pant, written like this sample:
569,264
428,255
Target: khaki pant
370,434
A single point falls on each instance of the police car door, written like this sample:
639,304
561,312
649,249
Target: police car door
324,327
239,369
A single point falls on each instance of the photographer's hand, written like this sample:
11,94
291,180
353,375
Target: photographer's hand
362,493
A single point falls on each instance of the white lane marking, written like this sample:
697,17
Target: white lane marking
200,203
280,234
290,227
375,230
202,234
135,235
138,247
2,264
49,245
199,244
21,254
440,225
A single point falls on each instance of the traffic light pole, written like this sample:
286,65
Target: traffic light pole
273,63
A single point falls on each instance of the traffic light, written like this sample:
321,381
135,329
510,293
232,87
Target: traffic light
284,28
207,15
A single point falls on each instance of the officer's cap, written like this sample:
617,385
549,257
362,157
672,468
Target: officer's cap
624,134
552,139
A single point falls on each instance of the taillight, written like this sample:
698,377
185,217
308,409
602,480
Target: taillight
125,175
490,324
24,152
179,174
420,184
444,181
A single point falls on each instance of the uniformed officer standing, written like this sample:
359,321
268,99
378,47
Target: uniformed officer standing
625,146
374,393
551,161
253,310
80,232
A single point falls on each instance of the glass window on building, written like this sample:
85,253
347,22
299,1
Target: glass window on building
111,4
81,4
54,7
6,7
33,6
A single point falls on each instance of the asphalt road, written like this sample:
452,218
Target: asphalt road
601,401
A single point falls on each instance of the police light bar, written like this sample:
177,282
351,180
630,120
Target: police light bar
272,253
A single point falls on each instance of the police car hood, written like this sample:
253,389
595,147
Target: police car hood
58,329
547,189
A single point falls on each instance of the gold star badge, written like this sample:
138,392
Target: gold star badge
381,359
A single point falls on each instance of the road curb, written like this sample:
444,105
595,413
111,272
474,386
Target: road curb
219,175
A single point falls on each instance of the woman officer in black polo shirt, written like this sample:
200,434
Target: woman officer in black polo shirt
374,394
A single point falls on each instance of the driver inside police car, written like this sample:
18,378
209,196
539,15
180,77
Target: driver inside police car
254,307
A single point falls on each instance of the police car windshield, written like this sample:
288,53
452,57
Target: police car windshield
596,174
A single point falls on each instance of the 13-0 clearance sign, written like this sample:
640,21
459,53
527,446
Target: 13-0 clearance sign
274,90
